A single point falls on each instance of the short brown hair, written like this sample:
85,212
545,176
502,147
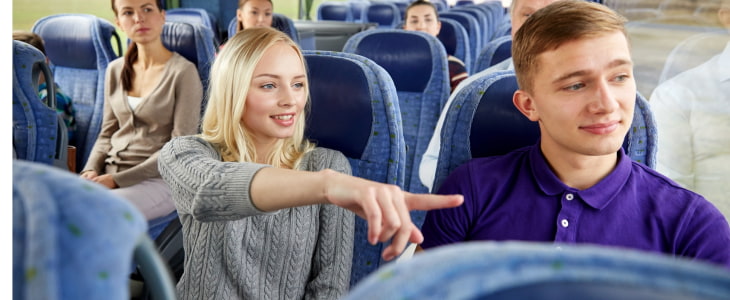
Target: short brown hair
30,38
554,25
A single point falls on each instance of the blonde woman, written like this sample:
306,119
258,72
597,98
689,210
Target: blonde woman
254,196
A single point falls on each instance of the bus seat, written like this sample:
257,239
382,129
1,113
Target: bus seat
38,132
471,25
483,18
385,14
79,47
542,271
334,11
354,109
281,22
483,121
359,10
195,43
194,16
454,38
417,63
74,239
494,52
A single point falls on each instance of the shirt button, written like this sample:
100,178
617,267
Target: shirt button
564,222
569,197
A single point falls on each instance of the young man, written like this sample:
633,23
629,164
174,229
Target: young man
520,10
576,185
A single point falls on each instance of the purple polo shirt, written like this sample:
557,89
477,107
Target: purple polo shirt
518,197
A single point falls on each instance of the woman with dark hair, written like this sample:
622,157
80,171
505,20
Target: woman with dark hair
150,95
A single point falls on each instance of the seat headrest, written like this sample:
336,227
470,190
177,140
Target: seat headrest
498,126
181,38
406,55
69,39
447,36
341,95
385,14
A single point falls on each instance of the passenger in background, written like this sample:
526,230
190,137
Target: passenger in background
520,10
150,95
421,15
254,13
576,185
253,194
64,105
692,112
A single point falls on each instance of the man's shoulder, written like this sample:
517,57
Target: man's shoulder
659,185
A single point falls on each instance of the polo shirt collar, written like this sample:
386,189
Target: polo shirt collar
597,196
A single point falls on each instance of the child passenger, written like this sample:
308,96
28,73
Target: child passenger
254,196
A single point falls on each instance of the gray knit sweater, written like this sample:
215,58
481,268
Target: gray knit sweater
235,251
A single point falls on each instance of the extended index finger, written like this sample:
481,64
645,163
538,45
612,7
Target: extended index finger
431,201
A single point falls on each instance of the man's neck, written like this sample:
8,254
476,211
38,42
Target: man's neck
580,171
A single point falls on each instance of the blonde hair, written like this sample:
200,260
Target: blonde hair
230,79
556,24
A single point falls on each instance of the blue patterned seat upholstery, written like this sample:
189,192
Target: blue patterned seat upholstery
542,271
194,16
79,47
354,109
494,52
471,25
483,121
456,42
38,134
74,239
416,62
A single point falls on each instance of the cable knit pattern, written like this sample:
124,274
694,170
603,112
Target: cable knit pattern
235,251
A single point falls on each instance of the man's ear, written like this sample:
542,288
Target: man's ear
526,105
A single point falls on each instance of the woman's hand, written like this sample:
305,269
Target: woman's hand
106,180
89,175
385,207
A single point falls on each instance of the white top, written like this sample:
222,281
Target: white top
692,112
427,169
134,101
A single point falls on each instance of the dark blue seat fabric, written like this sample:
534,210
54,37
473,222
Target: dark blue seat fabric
386,14
334,11
194,16
416,61
195,43
544,271
281,22
218,10
354,109
494,52
483,121
483,20
36,133
471,25
359,10
456,42
79,47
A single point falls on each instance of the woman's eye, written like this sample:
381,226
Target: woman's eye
268,86
298,85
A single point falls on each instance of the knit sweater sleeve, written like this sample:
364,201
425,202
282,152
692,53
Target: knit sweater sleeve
333,253
202,185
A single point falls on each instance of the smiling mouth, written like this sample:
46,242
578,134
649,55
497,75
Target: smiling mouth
283,117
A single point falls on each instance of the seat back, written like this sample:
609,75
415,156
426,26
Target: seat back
456,42
334,11
194,16
354,109
385,14
38,134
359,10
484,20
494,52
218,10
195,43
416,61
483,121
79,47
542,271
471,25
281,22
75,239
